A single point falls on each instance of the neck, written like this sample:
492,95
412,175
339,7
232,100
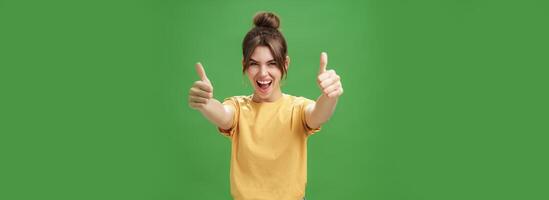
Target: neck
277,94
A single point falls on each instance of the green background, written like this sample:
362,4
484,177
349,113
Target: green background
443,99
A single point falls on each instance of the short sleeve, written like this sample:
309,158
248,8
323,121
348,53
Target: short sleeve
302,108
233,103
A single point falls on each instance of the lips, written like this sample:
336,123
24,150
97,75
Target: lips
264,85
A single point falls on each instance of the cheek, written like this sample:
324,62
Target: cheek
276,73
251,72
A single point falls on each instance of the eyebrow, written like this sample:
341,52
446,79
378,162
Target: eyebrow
257,61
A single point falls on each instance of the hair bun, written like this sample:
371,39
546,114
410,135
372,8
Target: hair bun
266,19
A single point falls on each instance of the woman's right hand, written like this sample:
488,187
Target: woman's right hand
202,91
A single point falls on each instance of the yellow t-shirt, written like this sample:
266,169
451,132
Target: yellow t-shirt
269,148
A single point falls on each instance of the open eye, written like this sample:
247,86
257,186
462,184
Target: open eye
272,64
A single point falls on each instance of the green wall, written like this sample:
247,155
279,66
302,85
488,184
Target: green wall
443,99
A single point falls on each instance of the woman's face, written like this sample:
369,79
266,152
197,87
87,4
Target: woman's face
264,75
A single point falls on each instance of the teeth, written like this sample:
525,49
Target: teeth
264,82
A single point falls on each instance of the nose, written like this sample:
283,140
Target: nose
263,71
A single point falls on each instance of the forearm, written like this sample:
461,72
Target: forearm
322,111
217,113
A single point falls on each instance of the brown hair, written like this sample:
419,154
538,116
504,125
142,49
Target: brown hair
265,33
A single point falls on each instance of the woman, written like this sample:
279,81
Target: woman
268,129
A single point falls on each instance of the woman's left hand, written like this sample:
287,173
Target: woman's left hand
328,81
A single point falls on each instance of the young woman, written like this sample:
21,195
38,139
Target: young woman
268,129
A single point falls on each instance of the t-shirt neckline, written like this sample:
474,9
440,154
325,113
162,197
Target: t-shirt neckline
268,103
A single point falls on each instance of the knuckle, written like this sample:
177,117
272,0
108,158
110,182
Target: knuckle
322,86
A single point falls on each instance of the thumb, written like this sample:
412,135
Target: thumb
323,62
200,71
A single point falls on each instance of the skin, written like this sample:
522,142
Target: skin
263,68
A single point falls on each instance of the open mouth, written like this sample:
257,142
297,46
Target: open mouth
264,85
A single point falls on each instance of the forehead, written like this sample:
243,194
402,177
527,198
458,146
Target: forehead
262,54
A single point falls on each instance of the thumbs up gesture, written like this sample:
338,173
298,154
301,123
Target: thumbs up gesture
201,91
328,81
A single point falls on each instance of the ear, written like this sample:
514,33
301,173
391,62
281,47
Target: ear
287,63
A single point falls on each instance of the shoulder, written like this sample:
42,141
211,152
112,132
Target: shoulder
297,100
239,100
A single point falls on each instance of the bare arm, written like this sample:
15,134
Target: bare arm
330,84
219,114
201,99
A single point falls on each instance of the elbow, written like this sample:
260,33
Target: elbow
226,124
316,123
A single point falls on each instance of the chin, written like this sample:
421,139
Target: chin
265,95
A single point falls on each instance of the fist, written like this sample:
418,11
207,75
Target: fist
328,81
202,91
